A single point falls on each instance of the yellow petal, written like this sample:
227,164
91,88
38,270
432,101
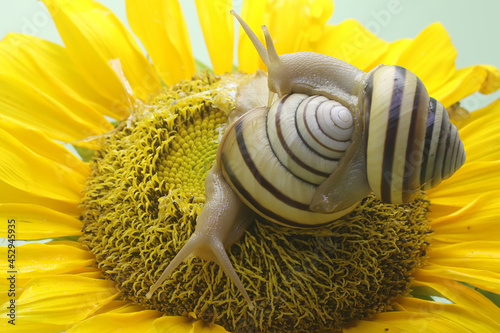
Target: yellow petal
42,145
4,294
480,134
38,59
48,67
480,255
35,259
483,279
477,120
470,319
294,26
10,194
62,299
492,81
37,222
431,56
465,82
248,58
467,184
203,327
463,295
27,105
477,220
120,306
93,36
160,26
353,43
118,322
28,327
92,273
75,244
30,172
394,51
404,322
218,30
173,324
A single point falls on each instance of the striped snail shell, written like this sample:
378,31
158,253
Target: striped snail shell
411,144
275,158
334,135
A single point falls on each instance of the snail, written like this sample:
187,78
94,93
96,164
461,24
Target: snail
334,135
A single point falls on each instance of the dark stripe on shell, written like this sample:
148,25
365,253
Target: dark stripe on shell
415,142
304,141
441,149
391,134
256,205
446,153
258,176
367,104
445,171
428,139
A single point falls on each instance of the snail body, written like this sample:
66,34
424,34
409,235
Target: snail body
334,135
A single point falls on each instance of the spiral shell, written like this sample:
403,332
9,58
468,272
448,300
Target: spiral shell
411,144
309,135
274,159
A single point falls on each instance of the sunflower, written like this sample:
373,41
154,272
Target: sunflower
147,131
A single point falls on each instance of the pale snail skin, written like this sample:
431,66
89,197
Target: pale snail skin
226,213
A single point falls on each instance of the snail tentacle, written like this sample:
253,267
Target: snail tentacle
273,57
222,222
263,53
188,248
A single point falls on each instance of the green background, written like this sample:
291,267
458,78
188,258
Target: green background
474,26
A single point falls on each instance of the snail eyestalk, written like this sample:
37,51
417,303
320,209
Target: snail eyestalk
263,53
272,55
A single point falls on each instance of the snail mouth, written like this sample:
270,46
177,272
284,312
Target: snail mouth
146,189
